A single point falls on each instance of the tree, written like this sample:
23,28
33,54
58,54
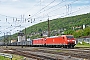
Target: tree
69,32
78,33
87,31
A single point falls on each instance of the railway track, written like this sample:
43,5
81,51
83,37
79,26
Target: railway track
28,54
80,53
51,53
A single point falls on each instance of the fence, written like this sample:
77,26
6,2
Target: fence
87,40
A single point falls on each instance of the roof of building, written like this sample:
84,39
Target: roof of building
85,37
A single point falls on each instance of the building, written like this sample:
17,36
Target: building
21,37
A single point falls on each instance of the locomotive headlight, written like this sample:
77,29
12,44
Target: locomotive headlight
68,40
73,40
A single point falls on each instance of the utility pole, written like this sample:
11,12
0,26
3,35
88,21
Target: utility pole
48,27
25,34
4,38
7,40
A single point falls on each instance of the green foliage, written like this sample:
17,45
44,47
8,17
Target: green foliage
79,33
87,31
4,58
14,36
15,57
69,32
68,23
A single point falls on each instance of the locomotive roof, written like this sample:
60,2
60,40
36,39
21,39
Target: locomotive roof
85,37
52,36
38,38
66,35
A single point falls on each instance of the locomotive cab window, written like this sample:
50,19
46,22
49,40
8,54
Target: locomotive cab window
70,37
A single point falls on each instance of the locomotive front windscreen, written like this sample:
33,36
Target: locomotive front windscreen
69,37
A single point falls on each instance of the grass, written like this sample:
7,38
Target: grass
83,45
15,57
58,51
3,58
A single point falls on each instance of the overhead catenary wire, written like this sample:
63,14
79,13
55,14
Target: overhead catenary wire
23,13
79,9
7,16
59,7
53,6
56,5
32,7
42,8
71,12
15,18
39,12
63,6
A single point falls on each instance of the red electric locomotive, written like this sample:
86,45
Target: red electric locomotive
66,41
39,42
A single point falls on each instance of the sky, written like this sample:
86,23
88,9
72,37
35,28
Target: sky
16,15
